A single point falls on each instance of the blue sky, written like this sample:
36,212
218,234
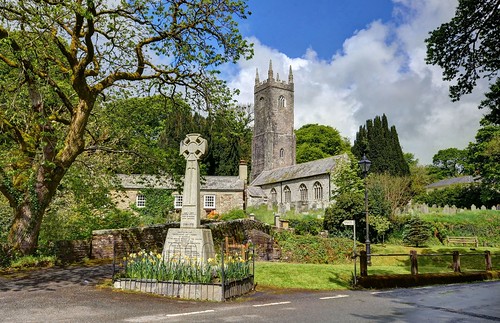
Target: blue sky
355,59
323,25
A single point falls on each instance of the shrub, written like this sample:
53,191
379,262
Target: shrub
307,225
233,215
416,232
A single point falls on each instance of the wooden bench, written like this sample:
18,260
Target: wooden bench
463,240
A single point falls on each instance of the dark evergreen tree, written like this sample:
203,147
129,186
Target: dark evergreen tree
416,232
381,146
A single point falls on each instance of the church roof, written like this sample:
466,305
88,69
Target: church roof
312,168
208,183
453,181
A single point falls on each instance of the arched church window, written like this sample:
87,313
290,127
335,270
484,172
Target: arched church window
281,101
274,196
282,152
303,192
318,191
288,194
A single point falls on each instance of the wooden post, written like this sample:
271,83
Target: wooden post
363,264
487,258
456,262
413,262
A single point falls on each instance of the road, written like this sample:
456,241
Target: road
72,295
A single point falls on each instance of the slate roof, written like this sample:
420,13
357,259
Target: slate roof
255,191
453,181
208,183
312,168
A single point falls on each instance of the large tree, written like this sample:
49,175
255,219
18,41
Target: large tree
450,162
316,141
59,58
381,146
468,49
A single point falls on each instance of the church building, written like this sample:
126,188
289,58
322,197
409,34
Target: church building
275,178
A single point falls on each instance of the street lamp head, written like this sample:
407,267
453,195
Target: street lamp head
365,164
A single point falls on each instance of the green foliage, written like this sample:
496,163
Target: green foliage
450,162
416,232
466,48
345,178
462,196
33,261
348,206
319,141
313,249
159,204
307,225
484,156
233,215
381,146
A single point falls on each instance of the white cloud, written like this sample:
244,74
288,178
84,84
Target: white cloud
381,69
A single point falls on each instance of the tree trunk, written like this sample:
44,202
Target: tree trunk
23,235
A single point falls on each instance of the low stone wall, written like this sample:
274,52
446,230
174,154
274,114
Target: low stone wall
72,250
121,242
202,292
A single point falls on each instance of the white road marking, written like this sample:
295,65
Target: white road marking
336,296
271,304
160,317
384,292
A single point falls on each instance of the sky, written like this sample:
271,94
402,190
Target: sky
355,59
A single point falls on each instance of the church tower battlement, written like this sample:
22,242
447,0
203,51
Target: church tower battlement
273,142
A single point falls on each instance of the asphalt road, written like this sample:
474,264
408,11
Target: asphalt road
72,295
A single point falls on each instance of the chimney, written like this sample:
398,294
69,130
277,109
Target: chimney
243,171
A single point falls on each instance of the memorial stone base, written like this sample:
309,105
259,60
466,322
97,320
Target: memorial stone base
195,244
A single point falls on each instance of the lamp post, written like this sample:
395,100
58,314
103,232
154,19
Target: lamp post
365,164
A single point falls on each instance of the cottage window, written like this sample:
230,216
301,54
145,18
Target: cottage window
288,194
140,201
178,202
318,191
303,192
209,202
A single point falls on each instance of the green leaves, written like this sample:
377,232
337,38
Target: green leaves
319,141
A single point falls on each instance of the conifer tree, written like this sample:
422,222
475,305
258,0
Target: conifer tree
381,146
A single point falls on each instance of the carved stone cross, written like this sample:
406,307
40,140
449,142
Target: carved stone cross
193,147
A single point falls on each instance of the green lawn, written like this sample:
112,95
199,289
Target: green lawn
328,277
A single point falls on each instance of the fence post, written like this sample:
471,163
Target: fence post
413,262
487,258
363,264
456,261
223,280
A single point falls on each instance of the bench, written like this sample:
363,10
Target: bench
463,240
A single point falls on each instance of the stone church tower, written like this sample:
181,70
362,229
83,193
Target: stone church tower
273,143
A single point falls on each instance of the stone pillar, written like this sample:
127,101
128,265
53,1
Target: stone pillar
190,240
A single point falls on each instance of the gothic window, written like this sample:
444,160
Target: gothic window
288,194
303,192
281,101
140,200
178,202
318,191
282,153
274,196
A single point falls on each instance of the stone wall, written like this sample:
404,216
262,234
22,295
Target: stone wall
121,242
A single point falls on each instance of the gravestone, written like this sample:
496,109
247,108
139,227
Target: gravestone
190,240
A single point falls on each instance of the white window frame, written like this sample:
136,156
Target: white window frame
318,191
209,201
177,202
303,192
140,201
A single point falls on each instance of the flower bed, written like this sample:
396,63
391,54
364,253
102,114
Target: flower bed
217,279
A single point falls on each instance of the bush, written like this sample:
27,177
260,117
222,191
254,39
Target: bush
313,249
307,225
348,206
462,196
416,232
234,214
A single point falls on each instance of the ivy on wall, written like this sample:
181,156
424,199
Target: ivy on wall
159,206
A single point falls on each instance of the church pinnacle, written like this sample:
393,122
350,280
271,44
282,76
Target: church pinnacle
290,75
270,73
